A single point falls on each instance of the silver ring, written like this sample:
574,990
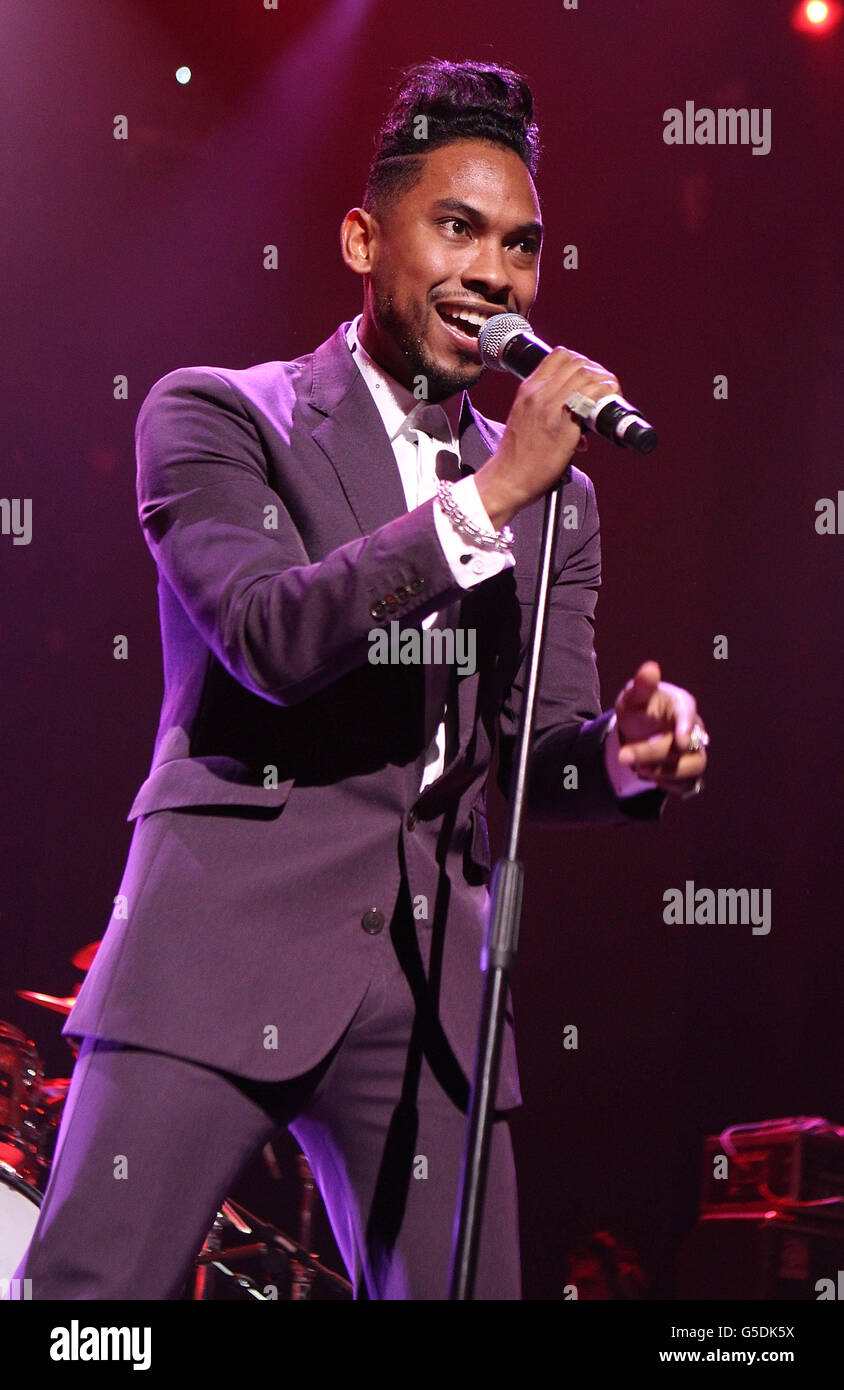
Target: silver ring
580,406
698,739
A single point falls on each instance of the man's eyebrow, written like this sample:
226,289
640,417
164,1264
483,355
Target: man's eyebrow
475,215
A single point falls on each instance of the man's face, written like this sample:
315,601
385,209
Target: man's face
467,237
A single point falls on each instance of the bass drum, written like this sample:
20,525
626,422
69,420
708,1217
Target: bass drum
19,1204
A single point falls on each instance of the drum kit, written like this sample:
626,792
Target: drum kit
31,1105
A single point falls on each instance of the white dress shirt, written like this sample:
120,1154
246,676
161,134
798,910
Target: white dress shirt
416,452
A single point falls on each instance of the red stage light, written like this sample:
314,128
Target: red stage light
816,16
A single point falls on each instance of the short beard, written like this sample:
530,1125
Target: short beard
441,383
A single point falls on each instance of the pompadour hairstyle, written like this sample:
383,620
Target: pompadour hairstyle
458,101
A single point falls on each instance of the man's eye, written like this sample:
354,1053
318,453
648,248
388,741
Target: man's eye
530,246
456,222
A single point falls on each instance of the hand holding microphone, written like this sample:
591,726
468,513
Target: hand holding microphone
562,393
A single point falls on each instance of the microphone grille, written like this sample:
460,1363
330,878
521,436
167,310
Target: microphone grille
493,337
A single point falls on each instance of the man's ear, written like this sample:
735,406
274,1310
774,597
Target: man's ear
358,240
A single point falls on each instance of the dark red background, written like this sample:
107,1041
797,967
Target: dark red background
141,256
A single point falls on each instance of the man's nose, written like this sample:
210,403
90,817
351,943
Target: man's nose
489,272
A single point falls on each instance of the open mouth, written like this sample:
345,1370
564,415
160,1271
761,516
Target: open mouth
464,324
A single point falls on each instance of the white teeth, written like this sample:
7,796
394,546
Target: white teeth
468,316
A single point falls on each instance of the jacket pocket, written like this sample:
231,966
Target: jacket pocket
208,781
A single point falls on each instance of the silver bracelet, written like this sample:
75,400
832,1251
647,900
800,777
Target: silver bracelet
495,540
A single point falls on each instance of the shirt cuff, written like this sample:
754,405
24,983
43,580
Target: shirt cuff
625,782
470,564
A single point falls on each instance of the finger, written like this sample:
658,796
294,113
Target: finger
588,382
685,718
638,692
567,359
589,388
649,751
685,770
559,359
571,377
563,370
669,705
676,786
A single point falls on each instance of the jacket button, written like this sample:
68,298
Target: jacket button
411,820
416,584
372,921
378,609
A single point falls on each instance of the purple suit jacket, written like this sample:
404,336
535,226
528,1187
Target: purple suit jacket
282,804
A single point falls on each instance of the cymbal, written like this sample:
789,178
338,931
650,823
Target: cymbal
84,957
48,1001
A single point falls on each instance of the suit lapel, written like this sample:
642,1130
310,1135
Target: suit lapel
477,440
352,436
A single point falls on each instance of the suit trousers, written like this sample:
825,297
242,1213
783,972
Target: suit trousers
151,1144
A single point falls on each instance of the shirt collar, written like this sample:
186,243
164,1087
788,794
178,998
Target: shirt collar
393,400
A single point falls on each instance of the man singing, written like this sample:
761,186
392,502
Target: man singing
296,938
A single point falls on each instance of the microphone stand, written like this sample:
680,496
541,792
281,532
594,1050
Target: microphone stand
499,950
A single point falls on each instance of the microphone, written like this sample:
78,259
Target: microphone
509,344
